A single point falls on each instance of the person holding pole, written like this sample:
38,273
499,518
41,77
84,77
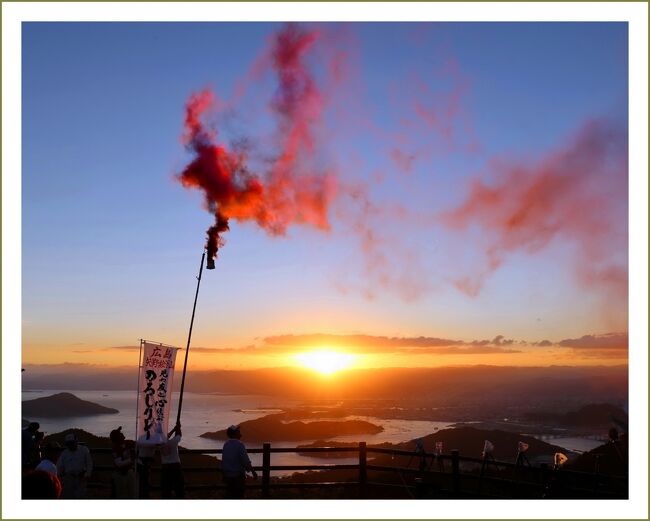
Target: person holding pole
145,450
171,478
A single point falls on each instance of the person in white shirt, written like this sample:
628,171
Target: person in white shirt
171,476
74,468
235,463
146,446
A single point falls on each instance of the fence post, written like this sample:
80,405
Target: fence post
363,474
544,480
596,472
455,471
266,469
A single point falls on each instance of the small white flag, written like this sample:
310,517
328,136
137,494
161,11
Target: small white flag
438,447
559,459
523,447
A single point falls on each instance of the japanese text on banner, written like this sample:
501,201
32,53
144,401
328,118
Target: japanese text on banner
154,391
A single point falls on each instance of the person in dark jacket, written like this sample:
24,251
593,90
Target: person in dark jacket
235,463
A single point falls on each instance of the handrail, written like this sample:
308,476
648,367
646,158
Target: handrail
448,475
377,450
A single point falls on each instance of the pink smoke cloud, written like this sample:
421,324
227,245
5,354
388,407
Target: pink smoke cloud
577,194
289,191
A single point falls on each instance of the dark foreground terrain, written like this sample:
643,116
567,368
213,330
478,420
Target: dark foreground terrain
399,471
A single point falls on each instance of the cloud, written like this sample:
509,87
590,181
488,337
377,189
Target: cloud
110,348
601,353
122,348
500,340
62,364
363,341
103,349
369,344
472,350
224,350
389,262
72,367
576,194
606,341
404,161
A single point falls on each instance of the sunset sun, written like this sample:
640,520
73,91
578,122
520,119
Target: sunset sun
324,361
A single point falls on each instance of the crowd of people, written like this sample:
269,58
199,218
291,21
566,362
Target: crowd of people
42,477
52,472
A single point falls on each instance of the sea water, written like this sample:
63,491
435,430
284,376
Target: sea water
211,412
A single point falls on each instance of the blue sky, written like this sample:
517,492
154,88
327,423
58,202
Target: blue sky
111,242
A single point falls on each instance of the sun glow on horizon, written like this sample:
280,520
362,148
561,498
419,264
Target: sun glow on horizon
325,361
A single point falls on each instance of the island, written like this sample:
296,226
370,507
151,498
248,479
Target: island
63,405
275,427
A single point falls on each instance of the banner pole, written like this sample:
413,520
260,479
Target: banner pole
137,417
137,391
189,338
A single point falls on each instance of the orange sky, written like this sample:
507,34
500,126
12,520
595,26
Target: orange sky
367,351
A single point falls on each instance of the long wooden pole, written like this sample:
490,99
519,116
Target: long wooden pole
137,416
189,338
137,392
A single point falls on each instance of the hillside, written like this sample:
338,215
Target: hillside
609,458
62,405
468,440
590,415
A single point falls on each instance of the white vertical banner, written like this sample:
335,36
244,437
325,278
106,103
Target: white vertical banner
154,391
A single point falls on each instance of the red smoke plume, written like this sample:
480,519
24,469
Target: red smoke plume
288,191
575,194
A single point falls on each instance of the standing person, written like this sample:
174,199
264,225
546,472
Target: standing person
146,446
171,477
74,468
235,463
144,458
123,479
29,443
145,449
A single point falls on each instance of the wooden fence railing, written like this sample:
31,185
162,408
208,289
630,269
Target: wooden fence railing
434,475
